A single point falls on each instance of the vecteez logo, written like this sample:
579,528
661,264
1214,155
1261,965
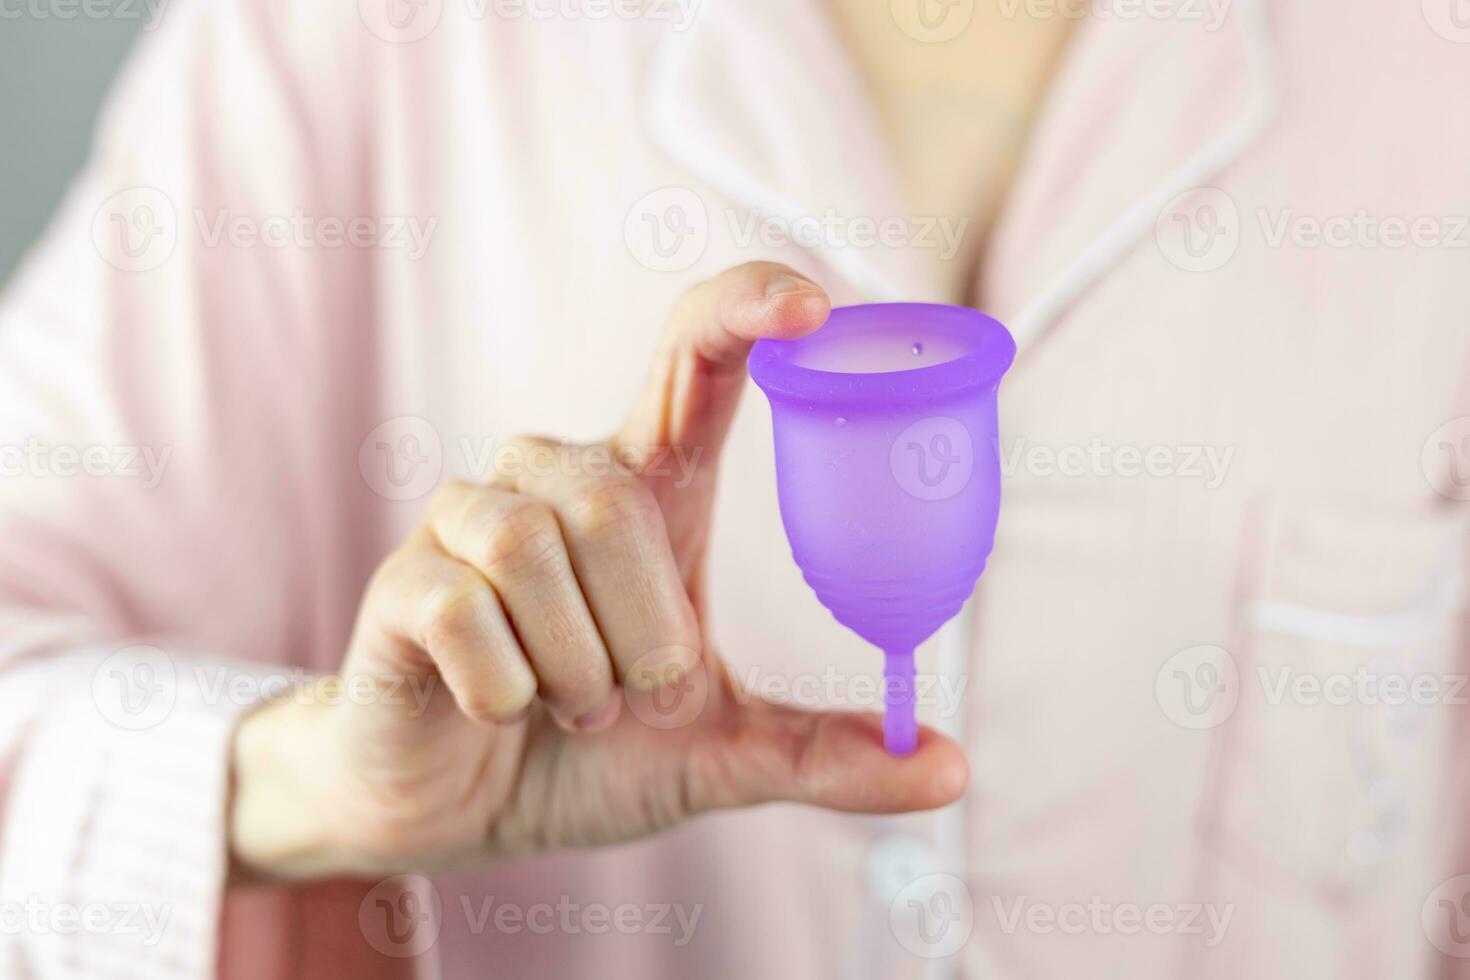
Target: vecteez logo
136,688
1450,19
932,21
1199,230
933,459
400,917
1198,687
409,21
136,229
667,230
150,12
402,459
663,694
1202,229
401,21
1445,917
1211,14
1445,459
933,916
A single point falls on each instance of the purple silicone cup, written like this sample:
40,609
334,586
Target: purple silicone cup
888,472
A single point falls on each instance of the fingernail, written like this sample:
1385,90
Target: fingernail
788,284
594,720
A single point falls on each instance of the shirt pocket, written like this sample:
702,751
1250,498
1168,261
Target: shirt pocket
1346,623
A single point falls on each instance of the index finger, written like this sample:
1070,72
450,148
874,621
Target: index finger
699,370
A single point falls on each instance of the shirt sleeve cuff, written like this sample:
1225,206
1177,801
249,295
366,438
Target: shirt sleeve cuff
115,846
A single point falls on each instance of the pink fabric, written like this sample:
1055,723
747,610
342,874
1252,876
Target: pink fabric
528,143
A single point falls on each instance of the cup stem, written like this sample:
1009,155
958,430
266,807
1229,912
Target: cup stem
900,727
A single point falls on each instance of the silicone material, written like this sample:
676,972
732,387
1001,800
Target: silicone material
888,471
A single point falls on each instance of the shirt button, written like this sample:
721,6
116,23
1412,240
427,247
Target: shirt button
931,913
897,861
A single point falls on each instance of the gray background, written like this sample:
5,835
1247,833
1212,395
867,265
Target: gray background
53,74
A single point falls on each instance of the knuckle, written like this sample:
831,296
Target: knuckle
614,505
402,565
448,494
455,611
495,703
586,678
510,458
664,666
566,628
517,537
573,666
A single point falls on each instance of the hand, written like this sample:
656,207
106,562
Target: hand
538,613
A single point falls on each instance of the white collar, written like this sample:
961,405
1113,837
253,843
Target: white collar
759,101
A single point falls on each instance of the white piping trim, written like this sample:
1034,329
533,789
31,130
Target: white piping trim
955,652
731,181
955,649
1134,223
1402,627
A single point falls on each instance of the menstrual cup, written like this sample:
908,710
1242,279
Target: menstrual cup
888,471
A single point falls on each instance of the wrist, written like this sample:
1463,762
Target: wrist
279,825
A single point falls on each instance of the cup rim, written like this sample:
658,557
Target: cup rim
772,366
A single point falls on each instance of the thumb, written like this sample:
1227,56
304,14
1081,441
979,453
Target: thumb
828,759
699,370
